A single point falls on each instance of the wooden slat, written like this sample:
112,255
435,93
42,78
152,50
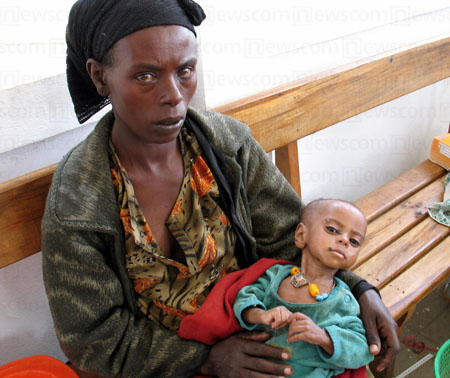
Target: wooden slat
286,159
398,256
22,202
382,199
310,104
420,279
394,223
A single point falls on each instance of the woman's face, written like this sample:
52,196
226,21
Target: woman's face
151,80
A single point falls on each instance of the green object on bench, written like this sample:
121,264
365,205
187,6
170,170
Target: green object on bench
440,212
442,361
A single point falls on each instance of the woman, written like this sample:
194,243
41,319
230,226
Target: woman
158,203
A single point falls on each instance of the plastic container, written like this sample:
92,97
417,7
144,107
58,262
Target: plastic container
442,361
37,367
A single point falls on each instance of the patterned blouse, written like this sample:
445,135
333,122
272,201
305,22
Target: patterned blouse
168,290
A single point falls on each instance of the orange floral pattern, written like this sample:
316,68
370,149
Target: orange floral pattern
125,218
148,234
193,305
222,274
116,178
183,269
201,177
177,208
170,310
167,288
143,284
209,253
224,219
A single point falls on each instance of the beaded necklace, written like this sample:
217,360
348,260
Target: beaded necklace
298,279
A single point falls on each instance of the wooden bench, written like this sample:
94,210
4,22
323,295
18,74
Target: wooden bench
406,254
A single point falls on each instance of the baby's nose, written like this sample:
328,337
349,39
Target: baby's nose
343,239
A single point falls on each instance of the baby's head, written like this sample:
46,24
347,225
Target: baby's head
331,231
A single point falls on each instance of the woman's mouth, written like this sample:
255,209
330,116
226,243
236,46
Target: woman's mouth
170,122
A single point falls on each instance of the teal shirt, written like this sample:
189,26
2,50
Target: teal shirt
338,314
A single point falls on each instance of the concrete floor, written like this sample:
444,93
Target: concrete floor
430,324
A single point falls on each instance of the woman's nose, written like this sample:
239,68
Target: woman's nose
170,92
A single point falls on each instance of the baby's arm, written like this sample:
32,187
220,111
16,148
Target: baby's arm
301,327
252,299
343,328
276,317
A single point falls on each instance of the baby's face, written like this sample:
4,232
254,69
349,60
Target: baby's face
334,235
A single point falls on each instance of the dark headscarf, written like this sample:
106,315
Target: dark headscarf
96,25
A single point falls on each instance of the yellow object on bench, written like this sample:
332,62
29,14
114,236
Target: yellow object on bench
440,151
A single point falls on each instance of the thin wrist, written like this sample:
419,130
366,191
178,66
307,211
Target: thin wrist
327,344
250,315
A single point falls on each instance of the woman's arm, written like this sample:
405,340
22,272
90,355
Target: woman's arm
381,328
95,327
273,205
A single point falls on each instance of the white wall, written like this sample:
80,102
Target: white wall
25,320
246,46
309,39
374,147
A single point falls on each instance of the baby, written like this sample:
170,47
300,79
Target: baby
308,310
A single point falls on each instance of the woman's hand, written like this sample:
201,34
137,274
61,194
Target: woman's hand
381,328
245,355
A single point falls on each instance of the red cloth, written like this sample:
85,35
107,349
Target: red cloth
215,319
357,373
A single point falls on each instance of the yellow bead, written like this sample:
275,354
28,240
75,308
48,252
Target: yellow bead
294,271
313,290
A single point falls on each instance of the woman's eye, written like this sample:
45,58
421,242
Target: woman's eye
146,77
186,73
332,229
355,242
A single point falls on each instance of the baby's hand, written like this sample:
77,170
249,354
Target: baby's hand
277,317
301,327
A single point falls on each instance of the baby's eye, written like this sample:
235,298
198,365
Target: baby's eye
186,73
332,229
146,77
355,243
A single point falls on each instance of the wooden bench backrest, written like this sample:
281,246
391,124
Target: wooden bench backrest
277,118
22,202
281,116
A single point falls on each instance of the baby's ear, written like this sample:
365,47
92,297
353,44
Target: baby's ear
300,235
